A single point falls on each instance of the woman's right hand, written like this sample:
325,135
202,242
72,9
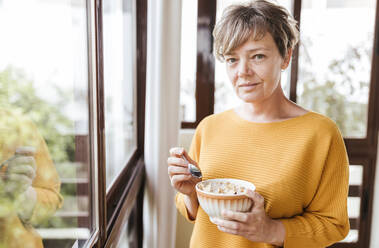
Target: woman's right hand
180,177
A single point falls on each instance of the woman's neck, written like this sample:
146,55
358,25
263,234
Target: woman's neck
274,108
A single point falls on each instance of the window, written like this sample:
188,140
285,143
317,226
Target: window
337,83
188,61
44,91
72,92
119,85
121,72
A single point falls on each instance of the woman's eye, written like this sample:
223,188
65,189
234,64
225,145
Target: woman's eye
259,57
230,60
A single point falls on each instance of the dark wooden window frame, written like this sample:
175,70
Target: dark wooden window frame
205,62
124,199
361,151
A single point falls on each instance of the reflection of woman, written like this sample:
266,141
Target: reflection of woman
296,158
29,183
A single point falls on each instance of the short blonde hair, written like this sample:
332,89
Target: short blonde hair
241,22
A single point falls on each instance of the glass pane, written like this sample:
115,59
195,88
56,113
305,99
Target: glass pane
120,85
335,67
352,237
353,203
129,232
225,97
353,206
44,126
188,61
356,174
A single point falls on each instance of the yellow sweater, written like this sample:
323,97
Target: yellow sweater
16,131
299,166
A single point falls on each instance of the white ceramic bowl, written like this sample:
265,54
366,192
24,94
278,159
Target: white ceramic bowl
214,203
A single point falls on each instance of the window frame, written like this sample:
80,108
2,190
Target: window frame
361,151
205,62
115,207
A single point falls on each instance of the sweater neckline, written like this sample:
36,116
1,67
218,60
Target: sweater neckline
239,119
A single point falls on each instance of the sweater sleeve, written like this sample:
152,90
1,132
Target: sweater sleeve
47,186
194,153
325,220
47,182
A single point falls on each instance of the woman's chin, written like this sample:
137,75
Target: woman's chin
250,98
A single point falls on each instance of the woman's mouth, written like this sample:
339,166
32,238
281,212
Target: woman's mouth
247,86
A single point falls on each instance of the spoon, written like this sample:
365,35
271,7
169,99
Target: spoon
195,172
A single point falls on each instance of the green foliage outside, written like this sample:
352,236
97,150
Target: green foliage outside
18,93
338,95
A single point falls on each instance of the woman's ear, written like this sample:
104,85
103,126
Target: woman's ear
287,59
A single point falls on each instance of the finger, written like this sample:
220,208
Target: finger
236,216
185,154
23,160
19,179
176,179
176,151
231,225
26,170
176,170
226,230
25,150
177,161
258,200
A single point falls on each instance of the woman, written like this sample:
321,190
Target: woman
295,157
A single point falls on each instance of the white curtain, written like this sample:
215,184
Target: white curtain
162,120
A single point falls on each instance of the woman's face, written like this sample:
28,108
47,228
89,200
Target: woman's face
254,68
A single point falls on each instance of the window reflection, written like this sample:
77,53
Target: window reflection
44,96
120,87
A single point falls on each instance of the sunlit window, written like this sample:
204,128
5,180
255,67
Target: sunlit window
335,67
45,117
188,61
120,85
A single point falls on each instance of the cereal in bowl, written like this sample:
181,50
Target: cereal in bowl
227,188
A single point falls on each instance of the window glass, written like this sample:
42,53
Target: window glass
353,203
355,174
119,85
44,126
188,61
225,97
335,67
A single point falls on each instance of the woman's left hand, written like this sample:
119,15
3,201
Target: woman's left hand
255,225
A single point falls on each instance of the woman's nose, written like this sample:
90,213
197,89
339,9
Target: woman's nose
243,68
